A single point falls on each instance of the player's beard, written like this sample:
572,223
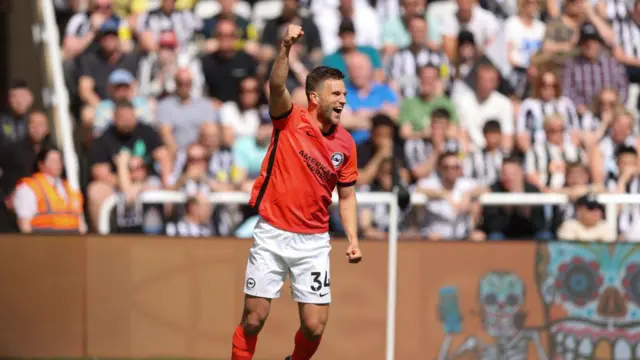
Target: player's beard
328,116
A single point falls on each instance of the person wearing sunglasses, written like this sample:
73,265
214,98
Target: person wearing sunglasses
452,200
589,224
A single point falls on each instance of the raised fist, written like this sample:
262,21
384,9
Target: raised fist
293,34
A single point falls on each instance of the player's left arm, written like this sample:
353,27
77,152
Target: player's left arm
347,178
348,215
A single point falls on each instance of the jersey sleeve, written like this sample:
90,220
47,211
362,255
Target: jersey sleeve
281,122
348,174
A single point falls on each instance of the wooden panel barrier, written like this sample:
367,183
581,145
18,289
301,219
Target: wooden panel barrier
156,297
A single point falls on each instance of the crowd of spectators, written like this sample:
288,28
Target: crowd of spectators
451,98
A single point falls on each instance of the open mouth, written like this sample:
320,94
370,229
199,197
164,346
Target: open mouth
577,340
337,110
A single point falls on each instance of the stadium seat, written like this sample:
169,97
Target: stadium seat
208,8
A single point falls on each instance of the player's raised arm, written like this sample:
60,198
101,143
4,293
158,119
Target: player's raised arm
279,97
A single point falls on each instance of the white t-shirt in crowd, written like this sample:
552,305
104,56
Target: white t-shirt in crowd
367,26
483,25
473,115
440,217
526,39
244,123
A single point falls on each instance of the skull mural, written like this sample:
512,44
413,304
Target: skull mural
591,294
501,298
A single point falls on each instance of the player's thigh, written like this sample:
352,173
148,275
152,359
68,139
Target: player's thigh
266,268
310,268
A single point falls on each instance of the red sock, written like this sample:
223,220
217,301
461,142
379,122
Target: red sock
304,348
243,346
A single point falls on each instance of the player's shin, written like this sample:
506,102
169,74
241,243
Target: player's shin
243,345
305,346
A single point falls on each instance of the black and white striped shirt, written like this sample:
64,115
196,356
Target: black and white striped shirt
184,228
80,24
484,166
616,10
627,36
532,112
182,22
540,157
219,168
608,151
404,65
417,151
629,213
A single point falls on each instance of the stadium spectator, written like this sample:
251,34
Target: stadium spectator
121,88
592,70
484,164
597,121
179,116
166,18
247,35
469,16
208,152
243,118
451,198
627,42
366,27
126,134
13,124
248,153
440,136
45,203
546,101
225,68
403,74
546,161
415,112
95,67
603,156
366,98
514,222
275,27
577,184
347,35
395,34
133,178
373,220
589,224
196,221
468,54
485,103
194,176
524,34
382,145
84,27
625,180
158,69
17,159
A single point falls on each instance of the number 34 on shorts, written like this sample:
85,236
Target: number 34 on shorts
277,254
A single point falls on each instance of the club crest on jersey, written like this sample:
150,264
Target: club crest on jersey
337,159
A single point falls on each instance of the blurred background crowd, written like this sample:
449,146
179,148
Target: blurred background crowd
450,98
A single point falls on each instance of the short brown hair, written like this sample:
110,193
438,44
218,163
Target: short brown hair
318,76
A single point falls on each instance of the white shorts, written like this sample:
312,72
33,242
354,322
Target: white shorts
276,253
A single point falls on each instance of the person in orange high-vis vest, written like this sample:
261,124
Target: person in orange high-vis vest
45,203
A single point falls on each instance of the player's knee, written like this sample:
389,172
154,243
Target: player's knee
254,320
313,328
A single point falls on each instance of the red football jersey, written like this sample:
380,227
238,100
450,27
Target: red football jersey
300,171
